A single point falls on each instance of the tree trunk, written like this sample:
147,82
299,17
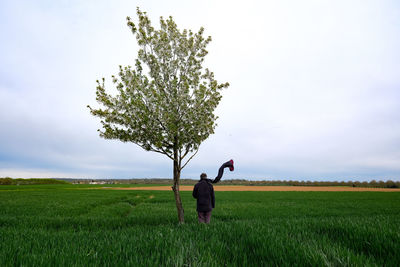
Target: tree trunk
175,188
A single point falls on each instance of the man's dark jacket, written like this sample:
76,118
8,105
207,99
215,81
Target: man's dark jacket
204,193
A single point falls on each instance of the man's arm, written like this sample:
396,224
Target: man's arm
228,164
212,197
195,192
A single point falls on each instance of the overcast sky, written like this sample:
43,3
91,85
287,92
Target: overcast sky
314,95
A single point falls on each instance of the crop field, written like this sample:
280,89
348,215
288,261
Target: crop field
74,225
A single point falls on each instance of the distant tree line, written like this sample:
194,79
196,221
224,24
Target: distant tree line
164,181
373,183
31,181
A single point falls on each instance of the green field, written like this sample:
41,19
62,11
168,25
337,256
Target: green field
69,225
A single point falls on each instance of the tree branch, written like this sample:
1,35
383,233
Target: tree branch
190,158
158,151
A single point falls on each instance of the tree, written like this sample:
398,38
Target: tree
166,102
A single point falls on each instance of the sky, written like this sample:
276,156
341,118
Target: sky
314,88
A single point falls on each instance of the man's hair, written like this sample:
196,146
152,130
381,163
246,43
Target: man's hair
203,176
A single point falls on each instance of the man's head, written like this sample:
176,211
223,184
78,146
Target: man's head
203,176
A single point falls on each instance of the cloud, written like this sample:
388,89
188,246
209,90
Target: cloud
314,88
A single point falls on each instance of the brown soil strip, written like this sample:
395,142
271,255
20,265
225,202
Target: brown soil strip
262,188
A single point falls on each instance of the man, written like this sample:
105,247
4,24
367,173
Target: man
203,191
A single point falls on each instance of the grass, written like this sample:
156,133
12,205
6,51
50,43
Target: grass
59,225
